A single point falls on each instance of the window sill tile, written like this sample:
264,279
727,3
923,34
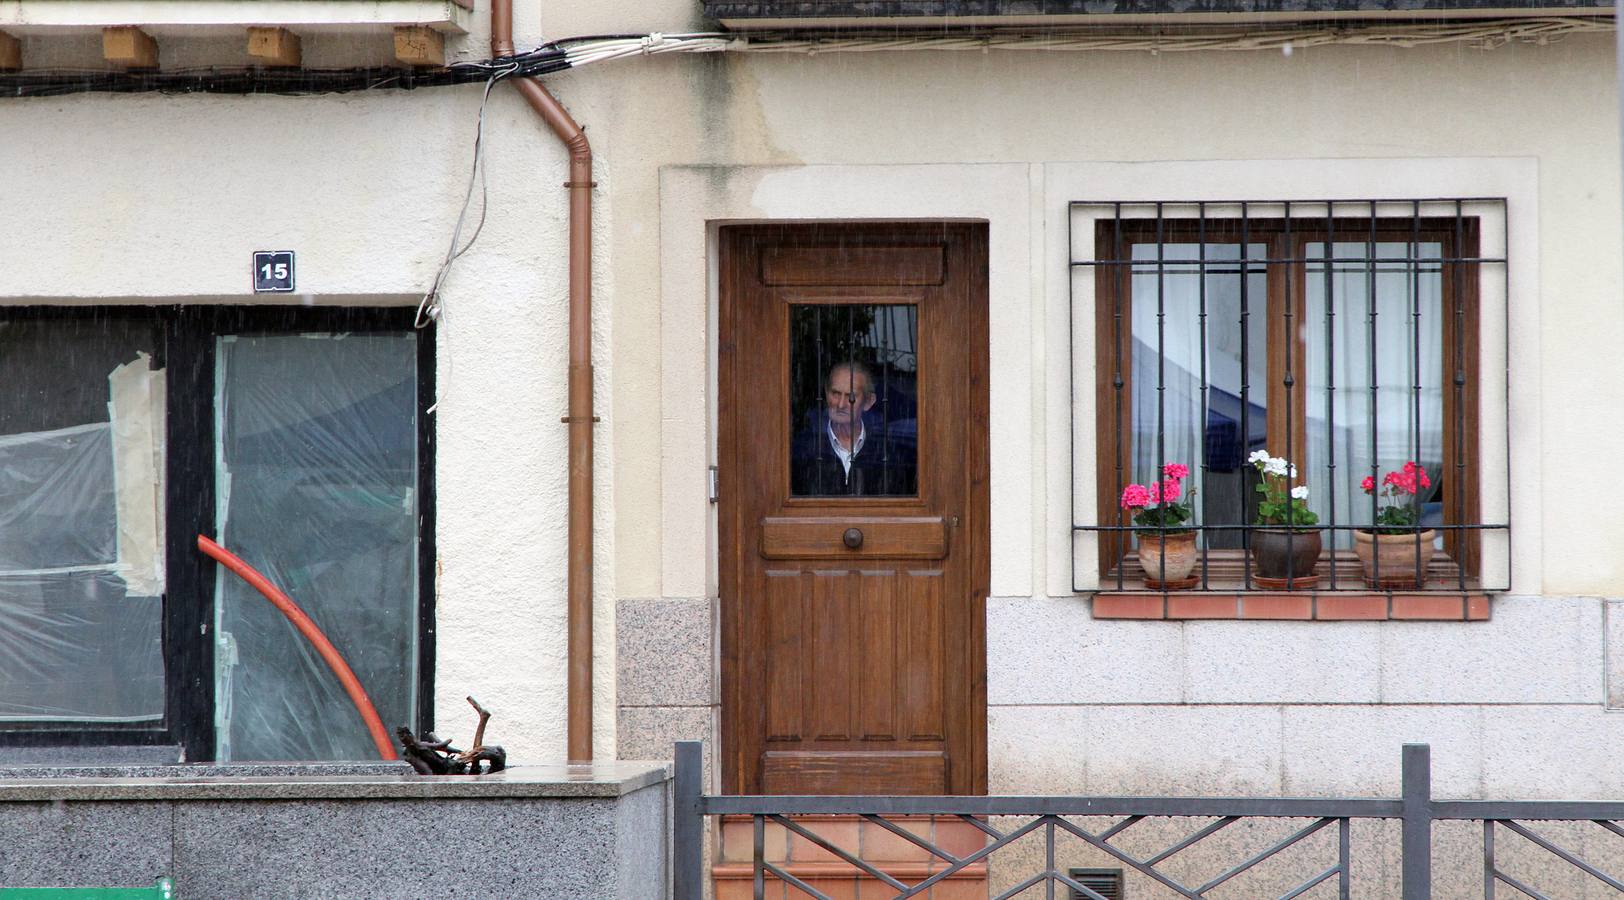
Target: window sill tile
1128,606
1297,607
1352,607
1203,606
1293,606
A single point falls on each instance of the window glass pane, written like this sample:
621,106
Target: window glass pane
316,488
1195,401
1374,417
854,410
81,521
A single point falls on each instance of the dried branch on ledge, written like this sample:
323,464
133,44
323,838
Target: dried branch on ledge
429,755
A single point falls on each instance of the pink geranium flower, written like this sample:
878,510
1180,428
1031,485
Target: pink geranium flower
1162,505
1410,480
1397,513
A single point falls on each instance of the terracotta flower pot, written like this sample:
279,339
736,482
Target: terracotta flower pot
1167,558
1394,557
1280,554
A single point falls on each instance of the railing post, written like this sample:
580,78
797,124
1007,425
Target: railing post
1417,833
688,823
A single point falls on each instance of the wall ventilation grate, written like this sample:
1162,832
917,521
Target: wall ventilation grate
1105,882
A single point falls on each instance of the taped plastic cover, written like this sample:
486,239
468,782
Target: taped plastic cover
137,413
80,578
316,488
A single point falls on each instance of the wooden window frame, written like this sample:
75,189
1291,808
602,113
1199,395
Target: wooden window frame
1286,274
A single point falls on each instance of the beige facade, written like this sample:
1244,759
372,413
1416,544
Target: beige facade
156,199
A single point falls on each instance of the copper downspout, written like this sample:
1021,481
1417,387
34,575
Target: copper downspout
580,417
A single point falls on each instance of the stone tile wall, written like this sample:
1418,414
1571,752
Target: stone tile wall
504,846
665,653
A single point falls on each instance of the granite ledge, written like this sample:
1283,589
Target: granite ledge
596,780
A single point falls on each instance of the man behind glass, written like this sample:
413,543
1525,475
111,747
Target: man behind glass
847,449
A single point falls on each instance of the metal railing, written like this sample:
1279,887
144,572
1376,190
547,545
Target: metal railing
1047,816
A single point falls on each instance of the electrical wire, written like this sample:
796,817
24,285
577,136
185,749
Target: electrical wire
1485,34
217,80
431,306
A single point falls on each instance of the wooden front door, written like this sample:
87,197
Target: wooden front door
854,508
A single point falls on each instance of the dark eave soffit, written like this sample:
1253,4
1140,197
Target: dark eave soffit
801,14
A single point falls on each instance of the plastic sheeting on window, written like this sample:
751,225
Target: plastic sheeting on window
81,569
316,488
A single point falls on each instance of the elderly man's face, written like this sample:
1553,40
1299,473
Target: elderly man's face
848,395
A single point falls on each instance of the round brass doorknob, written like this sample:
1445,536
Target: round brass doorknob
853,538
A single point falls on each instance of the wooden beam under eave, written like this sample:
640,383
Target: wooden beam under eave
419,45
11,53
274,47
128,46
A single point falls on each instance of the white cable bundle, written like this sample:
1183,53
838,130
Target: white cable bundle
1485,35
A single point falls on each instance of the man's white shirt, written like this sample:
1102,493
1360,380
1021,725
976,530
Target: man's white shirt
840,451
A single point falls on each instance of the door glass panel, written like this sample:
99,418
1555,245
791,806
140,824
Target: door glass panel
81,521
316,488
1200,373
854,400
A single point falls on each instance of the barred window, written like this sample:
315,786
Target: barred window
1315,366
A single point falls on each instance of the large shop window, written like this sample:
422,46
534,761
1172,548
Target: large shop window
1345,338
296,438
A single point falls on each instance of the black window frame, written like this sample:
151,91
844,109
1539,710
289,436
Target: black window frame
187,356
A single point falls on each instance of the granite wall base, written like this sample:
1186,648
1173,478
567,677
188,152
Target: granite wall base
570,847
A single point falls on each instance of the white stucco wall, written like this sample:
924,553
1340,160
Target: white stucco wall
150,199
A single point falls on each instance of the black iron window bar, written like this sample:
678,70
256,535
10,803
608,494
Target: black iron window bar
1368,222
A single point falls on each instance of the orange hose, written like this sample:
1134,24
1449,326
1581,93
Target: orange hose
312,633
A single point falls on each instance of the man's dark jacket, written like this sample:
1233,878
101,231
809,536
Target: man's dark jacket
886,465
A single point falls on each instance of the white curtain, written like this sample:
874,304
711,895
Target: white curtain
1345,441
1173,422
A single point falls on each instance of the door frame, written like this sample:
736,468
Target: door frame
972,752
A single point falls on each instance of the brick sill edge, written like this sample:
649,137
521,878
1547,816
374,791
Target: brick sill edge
1294,606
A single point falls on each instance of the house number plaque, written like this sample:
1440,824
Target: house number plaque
273,271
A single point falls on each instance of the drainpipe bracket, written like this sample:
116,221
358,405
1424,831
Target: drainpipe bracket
576,184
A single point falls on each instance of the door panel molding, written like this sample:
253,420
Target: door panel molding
879,537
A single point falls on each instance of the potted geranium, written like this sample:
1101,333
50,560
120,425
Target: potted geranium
1160,510
1395,549
1285,553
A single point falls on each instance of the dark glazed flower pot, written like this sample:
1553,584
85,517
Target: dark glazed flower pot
1280,553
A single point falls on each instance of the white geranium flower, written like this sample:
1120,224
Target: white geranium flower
1274,465
1300,492
1258,456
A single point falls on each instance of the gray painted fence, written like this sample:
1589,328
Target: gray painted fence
1415,809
